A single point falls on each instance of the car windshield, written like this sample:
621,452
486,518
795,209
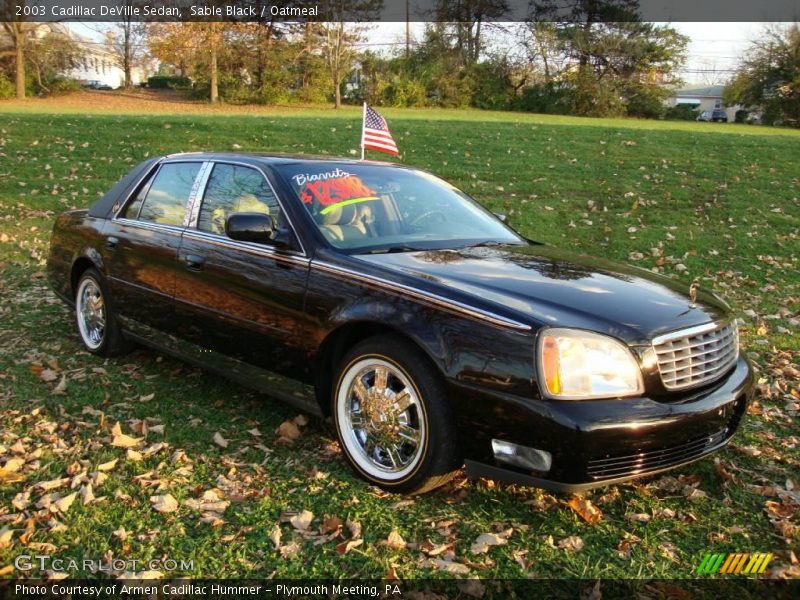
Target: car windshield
372,208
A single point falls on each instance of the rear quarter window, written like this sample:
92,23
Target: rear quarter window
164,200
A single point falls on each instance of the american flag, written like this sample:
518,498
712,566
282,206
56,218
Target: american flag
376,133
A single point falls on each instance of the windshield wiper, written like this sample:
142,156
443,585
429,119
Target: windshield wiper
487,244
393,249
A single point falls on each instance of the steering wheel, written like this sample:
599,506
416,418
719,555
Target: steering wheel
427,215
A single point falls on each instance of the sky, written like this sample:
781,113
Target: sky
713,52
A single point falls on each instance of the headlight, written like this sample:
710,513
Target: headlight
575,364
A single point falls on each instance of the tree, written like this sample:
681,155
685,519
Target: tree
19,34
336,38
466,19
50,56
127,42
190,44
769,76
613,62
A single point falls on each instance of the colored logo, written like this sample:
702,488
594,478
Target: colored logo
740,563
334,193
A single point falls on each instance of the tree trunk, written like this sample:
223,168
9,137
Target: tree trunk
337,88
408,29
20,75
126,59
214,89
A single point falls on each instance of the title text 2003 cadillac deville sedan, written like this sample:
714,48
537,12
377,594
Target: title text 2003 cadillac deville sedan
430,332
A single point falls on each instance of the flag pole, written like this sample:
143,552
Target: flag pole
363,123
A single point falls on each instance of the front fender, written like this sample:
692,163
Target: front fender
465,349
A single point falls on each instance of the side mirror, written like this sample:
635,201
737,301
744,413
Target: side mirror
503,217
254,227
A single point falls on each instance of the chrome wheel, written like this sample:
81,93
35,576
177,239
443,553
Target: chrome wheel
381,419
90,309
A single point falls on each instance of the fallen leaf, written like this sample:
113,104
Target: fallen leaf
694,494
355,528
302,520
107,466
394,540
330,525
12,466
638,517
348,545
48,375
779,510
63,504
287,431
21,500
164,504
120,534
275,537
572,543
585,509
87,494
121,440
626,544
220,441
61,388
485,540
448,566
53,484
6,535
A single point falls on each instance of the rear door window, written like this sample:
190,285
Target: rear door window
164,200
234,189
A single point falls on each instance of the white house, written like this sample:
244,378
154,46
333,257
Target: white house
703,98
100,63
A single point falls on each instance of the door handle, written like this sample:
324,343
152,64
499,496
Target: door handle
112,242
194,262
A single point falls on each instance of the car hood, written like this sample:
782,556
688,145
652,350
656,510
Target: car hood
543,285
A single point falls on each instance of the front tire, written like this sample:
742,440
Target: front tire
392,417
97,325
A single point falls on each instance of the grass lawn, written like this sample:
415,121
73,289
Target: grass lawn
692,200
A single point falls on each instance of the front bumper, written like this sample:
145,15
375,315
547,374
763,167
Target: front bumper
600,442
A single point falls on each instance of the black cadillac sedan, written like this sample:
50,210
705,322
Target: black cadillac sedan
429,332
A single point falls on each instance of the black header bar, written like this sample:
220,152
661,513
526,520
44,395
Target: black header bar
397,10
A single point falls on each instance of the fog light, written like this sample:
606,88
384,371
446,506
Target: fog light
522,456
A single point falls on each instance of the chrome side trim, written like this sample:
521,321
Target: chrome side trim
427,297
195,197
250,247
161,227
696,330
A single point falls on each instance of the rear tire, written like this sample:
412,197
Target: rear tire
97,325
392,417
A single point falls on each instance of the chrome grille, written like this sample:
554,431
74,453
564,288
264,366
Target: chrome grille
695,356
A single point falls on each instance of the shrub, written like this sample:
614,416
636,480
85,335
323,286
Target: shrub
7,89
172,82
682,112
63,86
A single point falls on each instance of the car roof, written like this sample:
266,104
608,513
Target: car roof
275,159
